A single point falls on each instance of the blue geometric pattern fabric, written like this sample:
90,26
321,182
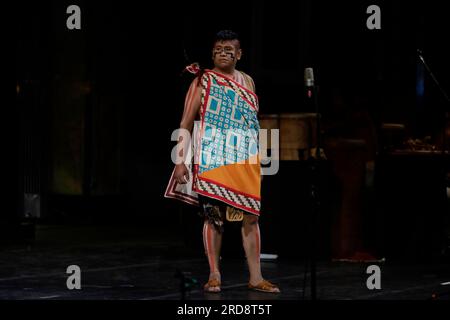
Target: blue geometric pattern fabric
230,128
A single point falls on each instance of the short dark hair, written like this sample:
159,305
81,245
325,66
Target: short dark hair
226,35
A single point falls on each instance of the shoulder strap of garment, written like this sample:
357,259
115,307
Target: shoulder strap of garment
249,81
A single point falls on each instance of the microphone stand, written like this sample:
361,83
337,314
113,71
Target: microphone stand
444,140
314,165
419,52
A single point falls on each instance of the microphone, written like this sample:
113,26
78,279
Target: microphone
309,77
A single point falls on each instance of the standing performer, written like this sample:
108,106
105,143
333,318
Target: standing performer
226,176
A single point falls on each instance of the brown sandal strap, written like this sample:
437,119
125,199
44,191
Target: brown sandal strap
263,286
212,283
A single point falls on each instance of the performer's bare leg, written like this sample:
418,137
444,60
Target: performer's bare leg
212,241
252,246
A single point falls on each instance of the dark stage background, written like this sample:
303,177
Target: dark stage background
95,109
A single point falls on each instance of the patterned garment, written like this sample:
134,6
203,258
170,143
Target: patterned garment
226,156
227,166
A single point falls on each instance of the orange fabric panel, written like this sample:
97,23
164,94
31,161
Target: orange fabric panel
244,176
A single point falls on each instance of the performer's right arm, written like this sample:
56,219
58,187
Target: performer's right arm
191,108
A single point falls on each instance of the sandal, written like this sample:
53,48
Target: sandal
213,285
264,286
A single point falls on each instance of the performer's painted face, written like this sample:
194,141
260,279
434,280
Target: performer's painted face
226,53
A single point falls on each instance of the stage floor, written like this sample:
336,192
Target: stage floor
129,263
